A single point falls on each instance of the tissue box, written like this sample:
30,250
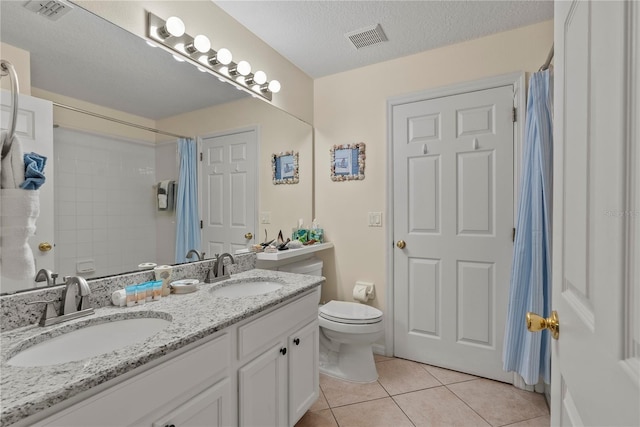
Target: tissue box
300,234
316,234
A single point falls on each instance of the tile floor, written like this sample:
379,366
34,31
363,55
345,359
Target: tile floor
412,394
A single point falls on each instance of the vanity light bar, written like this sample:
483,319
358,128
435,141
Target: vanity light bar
218,63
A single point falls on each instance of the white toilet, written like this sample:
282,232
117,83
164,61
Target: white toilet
347,332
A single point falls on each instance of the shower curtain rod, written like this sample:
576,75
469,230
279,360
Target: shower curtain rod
122,122
546,64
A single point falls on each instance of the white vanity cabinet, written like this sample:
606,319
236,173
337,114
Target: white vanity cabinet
261,371
278,355
181,392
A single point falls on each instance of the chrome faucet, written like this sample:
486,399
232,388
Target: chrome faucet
218,269
196,253
76,287
75,302
46,275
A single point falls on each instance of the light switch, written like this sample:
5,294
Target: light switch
265,217
375,219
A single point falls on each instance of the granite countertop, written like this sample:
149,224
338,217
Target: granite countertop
28,390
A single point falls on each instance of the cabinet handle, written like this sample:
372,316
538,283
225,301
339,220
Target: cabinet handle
283,350
170,425
296,341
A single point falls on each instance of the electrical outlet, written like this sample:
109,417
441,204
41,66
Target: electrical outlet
375,219
265,217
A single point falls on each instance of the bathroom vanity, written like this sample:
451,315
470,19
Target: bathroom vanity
220,361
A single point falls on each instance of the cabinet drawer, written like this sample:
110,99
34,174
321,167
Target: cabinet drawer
150,391
262,331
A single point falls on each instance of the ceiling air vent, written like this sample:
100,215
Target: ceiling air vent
367,36
51,9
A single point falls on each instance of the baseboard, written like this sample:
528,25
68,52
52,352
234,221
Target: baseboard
380,349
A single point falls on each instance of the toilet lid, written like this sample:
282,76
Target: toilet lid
350,312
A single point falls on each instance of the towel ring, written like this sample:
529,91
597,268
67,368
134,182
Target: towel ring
7,68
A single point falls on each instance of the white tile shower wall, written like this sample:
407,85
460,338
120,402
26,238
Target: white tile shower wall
104,203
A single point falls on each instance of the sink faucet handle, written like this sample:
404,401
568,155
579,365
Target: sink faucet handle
48,313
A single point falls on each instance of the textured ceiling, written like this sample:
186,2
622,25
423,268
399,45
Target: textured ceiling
88,58
311,34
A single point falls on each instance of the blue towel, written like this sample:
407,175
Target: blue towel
34,171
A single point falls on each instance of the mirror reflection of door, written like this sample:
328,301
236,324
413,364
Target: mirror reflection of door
34,129
228,181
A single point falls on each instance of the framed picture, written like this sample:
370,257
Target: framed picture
347,162
285,168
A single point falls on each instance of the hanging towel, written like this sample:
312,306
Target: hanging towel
12,167
19,211
527,353
34,171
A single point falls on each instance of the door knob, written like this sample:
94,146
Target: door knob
45,247
537,323
401,244
283,351
248,236
296,341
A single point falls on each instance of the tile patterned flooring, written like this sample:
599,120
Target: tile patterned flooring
412,394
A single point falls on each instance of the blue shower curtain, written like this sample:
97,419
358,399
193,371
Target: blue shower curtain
529,353
187,218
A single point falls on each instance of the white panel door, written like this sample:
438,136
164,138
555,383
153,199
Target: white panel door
596,254
229,191
34,129
453,206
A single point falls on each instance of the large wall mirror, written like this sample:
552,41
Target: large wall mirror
106,217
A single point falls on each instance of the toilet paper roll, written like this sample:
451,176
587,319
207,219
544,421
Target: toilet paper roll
119,298
361,293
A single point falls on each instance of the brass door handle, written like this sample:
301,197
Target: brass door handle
401,244
248,236
45,247
537,323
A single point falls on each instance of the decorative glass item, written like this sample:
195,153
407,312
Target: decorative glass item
285,168
347,162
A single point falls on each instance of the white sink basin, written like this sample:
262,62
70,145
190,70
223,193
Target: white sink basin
88,341
246,289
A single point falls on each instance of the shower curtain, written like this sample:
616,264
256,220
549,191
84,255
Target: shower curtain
187,218
525,352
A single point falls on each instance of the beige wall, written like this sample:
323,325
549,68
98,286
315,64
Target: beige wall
204,17
351,107
21,61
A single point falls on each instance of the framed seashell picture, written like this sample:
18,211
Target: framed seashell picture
347,162
285,168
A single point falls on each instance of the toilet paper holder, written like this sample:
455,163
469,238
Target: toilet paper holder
363,291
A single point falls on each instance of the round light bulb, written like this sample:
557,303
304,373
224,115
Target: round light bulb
274,86
202,43
175,26
177,58
243,68
224,56
202,70
260,77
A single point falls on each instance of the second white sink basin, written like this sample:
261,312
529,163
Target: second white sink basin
89,341
246,289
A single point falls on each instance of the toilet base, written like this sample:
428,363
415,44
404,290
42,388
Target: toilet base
352,362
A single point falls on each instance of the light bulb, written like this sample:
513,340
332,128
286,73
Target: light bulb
243,68
202,70
274,86
202,43
173,27
260,77
222,57
177,58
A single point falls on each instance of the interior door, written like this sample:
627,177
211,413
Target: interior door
595,361
453,221
34,129
229,190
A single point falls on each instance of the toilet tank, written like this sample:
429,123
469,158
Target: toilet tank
311,266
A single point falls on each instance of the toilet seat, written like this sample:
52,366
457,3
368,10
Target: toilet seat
350,313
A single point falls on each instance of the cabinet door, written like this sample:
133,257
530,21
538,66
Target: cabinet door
209,408
262,390
303,370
